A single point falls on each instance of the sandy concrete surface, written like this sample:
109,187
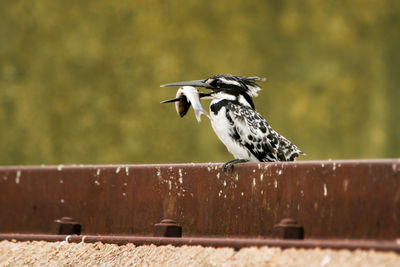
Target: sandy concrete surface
98,254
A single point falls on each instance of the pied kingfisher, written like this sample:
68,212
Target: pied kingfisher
247,135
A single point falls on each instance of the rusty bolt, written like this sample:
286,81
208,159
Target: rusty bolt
167,228
68,226
288,229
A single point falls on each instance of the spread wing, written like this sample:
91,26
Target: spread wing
252,131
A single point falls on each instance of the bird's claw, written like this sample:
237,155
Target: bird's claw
228,166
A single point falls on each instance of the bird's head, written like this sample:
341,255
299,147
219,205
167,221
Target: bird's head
227,86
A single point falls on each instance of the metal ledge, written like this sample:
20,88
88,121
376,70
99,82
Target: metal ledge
330,199
236,243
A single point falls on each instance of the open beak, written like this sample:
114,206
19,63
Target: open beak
183,97
197,83
187,96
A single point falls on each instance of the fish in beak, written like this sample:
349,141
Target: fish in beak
185,97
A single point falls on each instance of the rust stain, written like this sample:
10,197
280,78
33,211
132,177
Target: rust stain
330,199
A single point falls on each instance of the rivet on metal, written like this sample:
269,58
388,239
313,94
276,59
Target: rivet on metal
167,228
68,226
288,229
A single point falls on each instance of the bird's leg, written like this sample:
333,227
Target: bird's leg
228,166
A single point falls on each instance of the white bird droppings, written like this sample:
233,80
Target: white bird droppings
218,175
254,181
117,170
345,185
180,176
127,171
62,201
325,191
261,177
237,177
98,172
96,182
279,172
170,185
394,167
60,167
276,183
224,183
17,177
242,194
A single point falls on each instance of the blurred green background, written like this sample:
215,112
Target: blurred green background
79,80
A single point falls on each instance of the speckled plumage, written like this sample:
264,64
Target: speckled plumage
245,133
255,135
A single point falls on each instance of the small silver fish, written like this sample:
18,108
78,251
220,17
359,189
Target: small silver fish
187,96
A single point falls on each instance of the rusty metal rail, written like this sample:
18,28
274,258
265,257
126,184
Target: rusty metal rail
236,243
328,199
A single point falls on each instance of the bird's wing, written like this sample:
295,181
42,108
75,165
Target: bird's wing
258,137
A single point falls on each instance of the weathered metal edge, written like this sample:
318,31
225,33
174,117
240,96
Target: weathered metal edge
236,243
199,164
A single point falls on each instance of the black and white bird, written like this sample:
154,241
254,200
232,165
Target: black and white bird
244,132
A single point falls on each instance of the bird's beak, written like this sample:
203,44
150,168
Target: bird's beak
197,83
173,100
183,97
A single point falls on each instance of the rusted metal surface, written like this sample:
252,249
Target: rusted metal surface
167,228
236,243
288,229
330,199
68,226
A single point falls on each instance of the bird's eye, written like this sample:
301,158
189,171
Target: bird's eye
215,83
